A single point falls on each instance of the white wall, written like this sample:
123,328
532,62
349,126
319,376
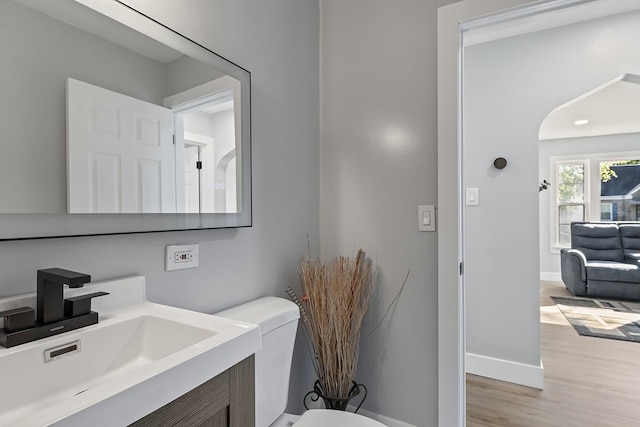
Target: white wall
224,134
378,163
198,122
278,42
511,85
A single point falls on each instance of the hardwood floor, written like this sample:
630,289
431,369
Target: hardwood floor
589,382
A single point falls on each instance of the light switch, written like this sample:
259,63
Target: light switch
472,197
426,218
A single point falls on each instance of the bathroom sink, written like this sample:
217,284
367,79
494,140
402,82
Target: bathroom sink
135,360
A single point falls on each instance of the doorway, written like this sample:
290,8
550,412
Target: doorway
451,181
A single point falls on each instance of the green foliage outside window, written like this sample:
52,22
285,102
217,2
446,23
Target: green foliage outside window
606,173
571,179
571,183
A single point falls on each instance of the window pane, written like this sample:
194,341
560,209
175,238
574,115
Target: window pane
570,183
620,188
564,237
568,214
606,211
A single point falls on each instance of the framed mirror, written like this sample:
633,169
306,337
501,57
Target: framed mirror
113,123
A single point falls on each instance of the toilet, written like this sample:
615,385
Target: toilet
278,320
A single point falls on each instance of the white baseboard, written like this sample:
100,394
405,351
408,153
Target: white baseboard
549,276
389,422
505,370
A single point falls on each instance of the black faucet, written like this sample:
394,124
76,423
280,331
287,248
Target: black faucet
54,314
50,303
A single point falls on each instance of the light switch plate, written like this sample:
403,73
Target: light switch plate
180,257
426,218
472,196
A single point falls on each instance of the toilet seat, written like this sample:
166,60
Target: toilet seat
327,417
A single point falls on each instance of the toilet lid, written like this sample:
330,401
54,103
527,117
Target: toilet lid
327,417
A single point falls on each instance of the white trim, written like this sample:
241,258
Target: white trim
550,276
506,370
197,138
556,161
633,191
539,20
220,90
451,378
389,422
621,197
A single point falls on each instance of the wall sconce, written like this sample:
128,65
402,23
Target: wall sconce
544,185
500,163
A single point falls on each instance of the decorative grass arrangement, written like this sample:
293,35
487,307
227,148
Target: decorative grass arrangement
335,299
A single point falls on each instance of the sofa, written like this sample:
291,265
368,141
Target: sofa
604,260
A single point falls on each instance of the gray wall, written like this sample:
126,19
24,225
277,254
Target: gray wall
185,73
39,54
378,163
511,85
278,42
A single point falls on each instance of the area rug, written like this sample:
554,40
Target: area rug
618,320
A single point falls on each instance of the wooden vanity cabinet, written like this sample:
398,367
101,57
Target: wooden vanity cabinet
228,400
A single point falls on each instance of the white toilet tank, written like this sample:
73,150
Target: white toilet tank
278,320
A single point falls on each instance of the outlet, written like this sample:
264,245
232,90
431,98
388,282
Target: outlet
183,256
180,257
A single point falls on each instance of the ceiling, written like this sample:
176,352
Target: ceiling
606,110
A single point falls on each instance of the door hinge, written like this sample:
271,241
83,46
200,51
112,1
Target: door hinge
461,268
198,165
174,139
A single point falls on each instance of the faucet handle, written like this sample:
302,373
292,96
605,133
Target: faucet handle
18,318
77,306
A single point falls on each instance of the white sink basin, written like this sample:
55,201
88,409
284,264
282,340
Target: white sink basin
135,360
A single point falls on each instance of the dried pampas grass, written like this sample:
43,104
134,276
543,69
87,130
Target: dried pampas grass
335,299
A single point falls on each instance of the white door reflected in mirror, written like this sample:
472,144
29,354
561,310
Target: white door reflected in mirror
122,156
120,153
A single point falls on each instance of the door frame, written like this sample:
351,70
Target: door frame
453,21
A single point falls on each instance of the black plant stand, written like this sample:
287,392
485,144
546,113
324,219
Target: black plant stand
339,404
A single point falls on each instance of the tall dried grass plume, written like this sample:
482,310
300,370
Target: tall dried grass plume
335,298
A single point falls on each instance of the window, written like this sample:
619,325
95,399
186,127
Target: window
606,211
571,199
620,189
593,187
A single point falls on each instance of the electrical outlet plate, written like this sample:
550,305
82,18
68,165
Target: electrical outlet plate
180,257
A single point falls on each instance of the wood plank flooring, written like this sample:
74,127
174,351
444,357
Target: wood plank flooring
589,382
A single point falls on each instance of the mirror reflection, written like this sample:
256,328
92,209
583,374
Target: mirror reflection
99,118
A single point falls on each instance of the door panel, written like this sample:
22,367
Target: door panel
120,153
105,181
